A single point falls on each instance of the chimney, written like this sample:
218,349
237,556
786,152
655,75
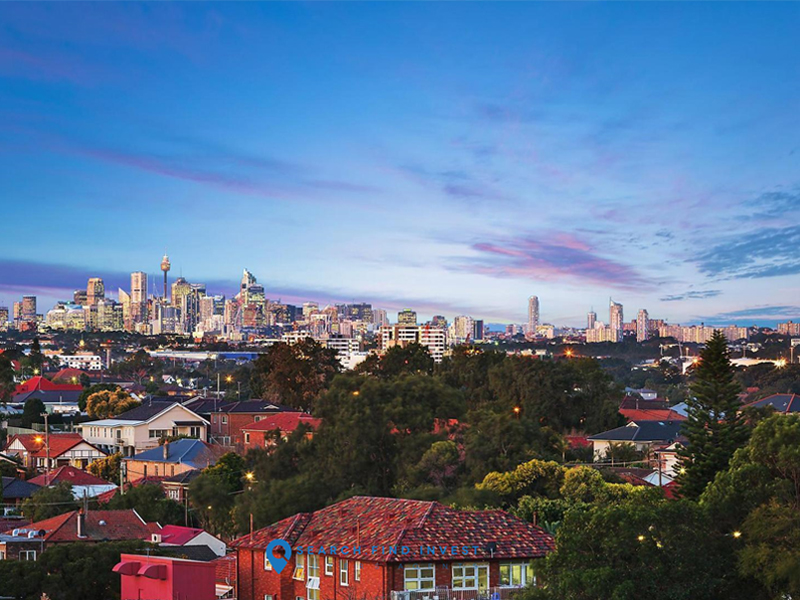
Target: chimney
166,450
81,524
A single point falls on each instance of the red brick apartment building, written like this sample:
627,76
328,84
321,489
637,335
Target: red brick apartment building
386,548
228,419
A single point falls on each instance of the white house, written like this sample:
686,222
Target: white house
142,427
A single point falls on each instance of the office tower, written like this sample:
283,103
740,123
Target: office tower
616,319
591,319
3,318
95,291
533,314
356,312
309,307
190,309
138,307
642,325
248,279
477,330
125,302
109,315
407,317
439,321
165,269
28,308
379,317
79,297
180,287
462,328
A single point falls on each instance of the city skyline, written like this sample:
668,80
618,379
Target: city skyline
454,159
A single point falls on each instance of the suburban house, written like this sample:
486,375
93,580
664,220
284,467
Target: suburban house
175,535
165,577
141,428
176,486
14,492
651,414
57,397
366,547
227,420
781,403
261,434
226,576
84,485
77,526
34,450
647,399
643,435
172,458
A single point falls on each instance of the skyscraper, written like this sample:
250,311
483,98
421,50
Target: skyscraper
95,291
533,314
138,308
407,317
616,319
642,325
3,318
28,308
591,319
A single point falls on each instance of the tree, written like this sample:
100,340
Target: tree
107,468
713,427
92,389
399,360
49,502
35,358
106,404
212,493
152,504
294,374
533,478
7,384
32,412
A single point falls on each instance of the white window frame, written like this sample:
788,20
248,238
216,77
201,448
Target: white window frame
268,596
344,572
329,566
357,570
469,582
267,564
526,574
312,585
27,555
299,568
412,573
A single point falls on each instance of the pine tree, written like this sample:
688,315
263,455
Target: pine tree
714,428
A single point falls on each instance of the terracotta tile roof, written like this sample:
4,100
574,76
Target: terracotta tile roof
100,525
106,496
45,385
71,475
35,443
285,421
368,521
651,414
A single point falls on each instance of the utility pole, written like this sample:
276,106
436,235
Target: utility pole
47,447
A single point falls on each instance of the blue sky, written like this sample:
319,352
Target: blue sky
455,158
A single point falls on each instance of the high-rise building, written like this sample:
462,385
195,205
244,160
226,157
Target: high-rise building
95,291
477,330
28,308
138,308
462,329
533,314
439,321
125,302
165,265
642,325
407,317
180,287
616,319
379,317
433,338
79,297
591,319
3,318
309,308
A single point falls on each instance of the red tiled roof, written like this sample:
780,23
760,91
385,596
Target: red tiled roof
284,421
577,441
71,475
67,375
100,525
651,414
106,496
45,385
34,442
367,521
177,535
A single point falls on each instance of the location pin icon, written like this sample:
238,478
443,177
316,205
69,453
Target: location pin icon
277,562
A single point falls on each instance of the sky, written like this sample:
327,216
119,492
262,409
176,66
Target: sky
451,157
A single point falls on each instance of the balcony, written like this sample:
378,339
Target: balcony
445,593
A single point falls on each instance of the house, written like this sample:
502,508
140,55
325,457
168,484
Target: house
14,493
165,578
41,384
366,547
175,535
172,458
84,485
651,414
34,450
226,576
781,403
57,397
141,428
176,486
261,434
77,526
637,401
16,547
227,420
643,435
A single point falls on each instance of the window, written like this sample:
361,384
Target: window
312,586
470,576
194,432
328,565
299,568
225,420
258,419
267,564
516,574
344,571
246,438
267,596
357,568
299,598
418,576
159,433
27,554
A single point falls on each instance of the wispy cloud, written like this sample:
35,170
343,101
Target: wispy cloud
770,252
692,295
548,256
459,184
756,313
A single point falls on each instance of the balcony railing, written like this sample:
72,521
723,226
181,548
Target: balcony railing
445,593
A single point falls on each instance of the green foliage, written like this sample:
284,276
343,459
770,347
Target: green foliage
107,468
93,389
533,478
714,427
7,384
26,577
583,484
152,504
32,412
621,453
212,493
294,374
49,502
105,404
399,360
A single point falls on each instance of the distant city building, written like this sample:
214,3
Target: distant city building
379,317
79,297
439,321
28,308
407,317
700,334
533,314
642,325
591,319
433,338
165,266
138,307
477,330
601,333
789,328
616,319
95,291
4,314
462,329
